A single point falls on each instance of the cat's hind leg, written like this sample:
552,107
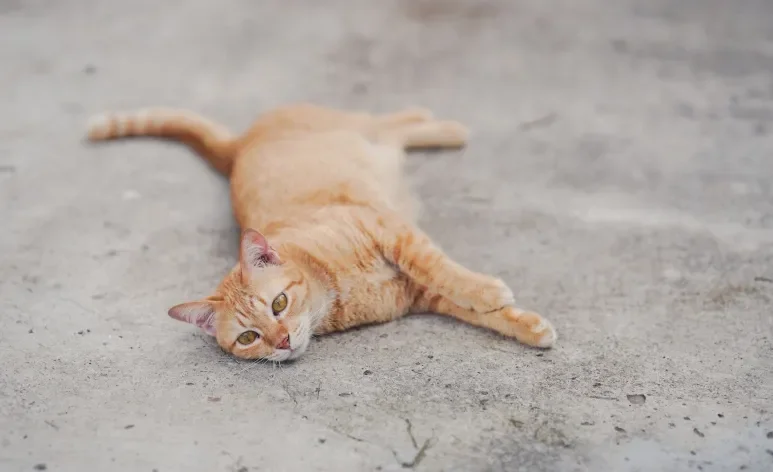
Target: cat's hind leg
424,134
528,328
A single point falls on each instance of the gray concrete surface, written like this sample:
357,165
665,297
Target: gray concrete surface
619,178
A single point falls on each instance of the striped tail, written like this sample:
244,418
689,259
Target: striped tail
214,142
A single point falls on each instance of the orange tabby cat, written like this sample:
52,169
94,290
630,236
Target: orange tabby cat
329,235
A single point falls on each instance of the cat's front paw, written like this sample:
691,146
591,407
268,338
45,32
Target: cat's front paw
531,328
490,295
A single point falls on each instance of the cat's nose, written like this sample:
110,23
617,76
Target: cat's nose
284,343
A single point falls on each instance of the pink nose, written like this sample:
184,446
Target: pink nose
284,343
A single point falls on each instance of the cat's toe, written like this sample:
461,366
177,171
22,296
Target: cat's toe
532,329
546,334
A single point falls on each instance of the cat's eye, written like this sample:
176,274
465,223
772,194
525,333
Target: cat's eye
279,304
247,337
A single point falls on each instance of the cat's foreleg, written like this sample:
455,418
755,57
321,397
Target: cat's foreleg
529,328
414,253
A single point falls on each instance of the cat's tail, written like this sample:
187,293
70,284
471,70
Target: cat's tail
213,141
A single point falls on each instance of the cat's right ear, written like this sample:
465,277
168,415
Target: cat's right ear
255,253
200,313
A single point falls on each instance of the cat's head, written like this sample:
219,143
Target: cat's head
264,310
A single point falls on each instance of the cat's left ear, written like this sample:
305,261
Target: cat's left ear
255,253
200,313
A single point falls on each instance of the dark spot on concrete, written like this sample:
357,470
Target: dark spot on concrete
360,88
619,429
367,372
698,432
769,435
516,423
731,294
345,394
597,384
40,467
30,331
89,69
587,423
685,110
637,399
5,169
763,279
383,335
322,440
428,11
720,415
242,469
620,45
769,451
542,122
693,453
213,399
128,426
671,425
686,418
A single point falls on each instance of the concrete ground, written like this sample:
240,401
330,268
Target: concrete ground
619,178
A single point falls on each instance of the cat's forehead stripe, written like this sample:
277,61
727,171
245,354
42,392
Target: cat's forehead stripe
239,320
292,284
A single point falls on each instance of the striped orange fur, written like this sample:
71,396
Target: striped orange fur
329,233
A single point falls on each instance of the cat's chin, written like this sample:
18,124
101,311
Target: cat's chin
301,350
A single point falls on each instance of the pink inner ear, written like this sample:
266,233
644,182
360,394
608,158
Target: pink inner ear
201,314
256,252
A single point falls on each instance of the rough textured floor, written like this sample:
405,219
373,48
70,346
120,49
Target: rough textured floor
619,178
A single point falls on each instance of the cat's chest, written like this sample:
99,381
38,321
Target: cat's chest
359,285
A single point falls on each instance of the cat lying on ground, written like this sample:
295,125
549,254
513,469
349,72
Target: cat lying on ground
329,238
